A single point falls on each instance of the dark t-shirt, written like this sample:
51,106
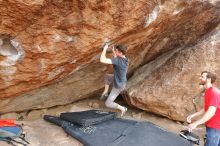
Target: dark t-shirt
120,70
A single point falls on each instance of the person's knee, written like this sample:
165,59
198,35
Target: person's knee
108,103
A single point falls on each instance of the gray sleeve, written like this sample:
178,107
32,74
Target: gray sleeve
114,60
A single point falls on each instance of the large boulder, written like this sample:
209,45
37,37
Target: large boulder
44,41
168,85
49,50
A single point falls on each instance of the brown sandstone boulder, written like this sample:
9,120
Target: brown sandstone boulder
49,50
45,41
54,39
167,85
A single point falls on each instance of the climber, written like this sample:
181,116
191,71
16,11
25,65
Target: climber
118,79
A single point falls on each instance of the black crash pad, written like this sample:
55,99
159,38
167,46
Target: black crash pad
87,118
120,132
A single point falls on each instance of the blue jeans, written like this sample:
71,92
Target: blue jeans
212,137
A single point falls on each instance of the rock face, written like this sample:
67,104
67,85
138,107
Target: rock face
167,85
45,41
54,39
49,50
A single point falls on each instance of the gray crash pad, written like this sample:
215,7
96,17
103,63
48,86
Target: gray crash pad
120,132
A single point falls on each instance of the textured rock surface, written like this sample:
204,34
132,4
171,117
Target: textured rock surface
167,85
57,38
49,49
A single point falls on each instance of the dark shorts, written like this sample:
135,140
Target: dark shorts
109,78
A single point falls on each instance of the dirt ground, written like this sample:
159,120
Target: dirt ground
42,133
